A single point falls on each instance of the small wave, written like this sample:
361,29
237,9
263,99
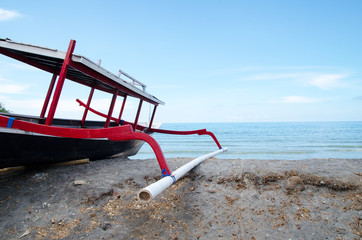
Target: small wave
266,140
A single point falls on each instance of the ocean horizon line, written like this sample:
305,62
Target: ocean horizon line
265,140
317,121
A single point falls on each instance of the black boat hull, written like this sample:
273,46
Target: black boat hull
24,150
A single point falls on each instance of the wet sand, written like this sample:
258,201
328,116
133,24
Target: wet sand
219,199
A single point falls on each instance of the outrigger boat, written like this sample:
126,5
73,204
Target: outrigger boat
31,140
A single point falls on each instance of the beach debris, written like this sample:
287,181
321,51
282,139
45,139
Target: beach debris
105,226
230,200
25,233
295,183
79,182
357,202
99,195
40,177
46,205
303,214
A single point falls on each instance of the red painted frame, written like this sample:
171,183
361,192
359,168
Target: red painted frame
138,114
121,111
151,130
62,75
153,116
118,133
111,107
88,105
49,93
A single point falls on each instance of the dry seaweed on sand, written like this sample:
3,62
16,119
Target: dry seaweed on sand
238,199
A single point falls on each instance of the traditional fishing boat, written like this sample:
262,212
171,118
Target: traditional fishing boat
30,140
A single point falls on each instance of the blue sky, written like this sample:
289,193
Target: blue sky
210,61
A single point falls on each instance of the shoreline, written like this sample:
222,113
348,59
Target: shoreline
219,199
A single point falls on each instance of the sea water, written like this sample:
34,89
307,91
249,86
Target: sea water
264,140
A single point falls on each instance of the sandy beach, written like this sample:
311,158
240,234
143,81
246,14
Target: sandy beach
219,199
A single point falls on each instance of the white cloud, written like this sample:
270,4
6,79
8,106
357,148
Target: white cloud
271,76
301,99
327,81
322,77
268,69
6,15
12,88
22,66
28,106
324,81
168,86
9,65
3,79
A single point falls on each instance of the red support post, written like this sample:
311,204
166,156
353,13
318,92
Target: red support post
111,107
88,105
153,116
122,108
138,115
62,75
47,98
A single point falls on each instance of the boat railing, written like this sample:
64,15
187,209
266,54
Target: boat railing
134,81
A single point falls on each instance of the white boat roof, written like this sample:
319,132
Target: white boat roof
51,60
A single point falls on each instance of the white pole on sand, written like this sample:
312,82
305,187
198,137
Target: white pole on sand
148,193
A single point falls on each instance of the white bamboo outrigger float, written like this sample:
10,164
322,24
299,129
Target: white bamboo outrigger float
153,190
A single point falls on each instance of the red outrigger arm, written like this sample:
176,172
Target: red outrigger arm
152,130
